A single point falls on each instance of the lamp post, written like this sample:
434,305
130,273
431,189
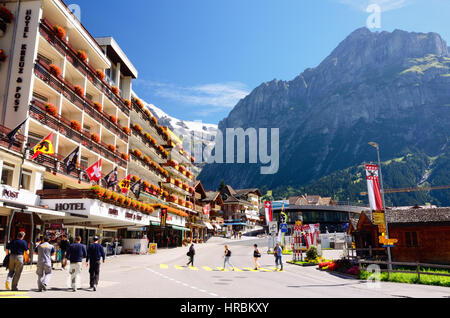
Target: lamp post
375,145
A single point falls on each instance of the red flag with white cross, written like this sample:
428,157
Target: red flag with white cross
94,172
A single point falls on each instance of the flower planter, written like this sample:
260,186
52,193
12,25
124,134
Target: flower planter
51,109
55,70
115,90
75,125
59,31
138,128
100,74
125,156
113,119
98,106
137,153
127,103
126,130
78,90
95,137
98,190
82,55
6,15
112,148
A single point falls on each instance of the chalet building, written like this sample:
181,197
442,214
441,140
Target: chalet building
311,200
214,200
241,208
423,234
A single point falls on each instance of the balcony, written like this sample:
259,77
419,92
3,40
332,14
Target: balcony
136,160
63,126
152,147
46,30
4,141
42,71
157,130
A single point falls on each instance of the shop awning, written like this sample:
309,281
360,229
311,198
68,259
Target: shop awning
208,225
155,223
180,228
240,223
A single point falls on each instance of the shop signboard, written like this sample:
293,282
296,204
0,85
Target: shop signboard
152,248
280,204
378,218
8,193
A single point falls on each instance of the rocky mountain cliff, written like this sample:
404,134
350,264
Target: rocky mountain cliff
389,87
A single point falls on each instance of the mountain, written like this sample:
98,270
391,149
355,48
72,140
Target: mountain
392,88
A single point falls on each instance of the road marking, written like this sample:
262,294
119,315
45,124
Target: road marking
222,269
179,267
8,293
237,269
165,266
250,269
2,297
206,268
274,268
193,268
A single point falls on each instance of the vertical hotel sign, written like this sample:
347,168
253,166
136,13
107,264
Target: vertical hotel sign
23,56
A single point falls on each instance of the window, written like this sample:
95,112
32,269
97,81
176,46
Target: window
84,161
25,183
34,139
411,239
7,173
89,96
3,228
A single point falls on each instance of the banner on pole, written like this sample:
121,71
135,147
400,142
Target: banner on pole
373,187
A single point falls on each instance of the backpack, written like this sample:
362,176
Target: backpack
229,253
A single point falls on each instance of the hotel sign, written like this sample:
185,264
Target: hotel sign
23,56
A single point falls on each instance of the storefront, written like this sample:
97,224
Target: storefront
171,235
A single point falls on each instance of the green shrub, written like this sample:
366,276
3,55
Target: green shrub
311,253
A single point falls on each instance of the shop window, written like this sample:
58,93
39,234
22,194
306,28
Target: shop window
51,186
411,239
25,183
3,227
7,173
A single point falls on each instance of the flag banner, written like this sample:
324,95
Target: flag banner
206,209
125,184
311,234
45,146
94,172
136,188
373,188
13,133
70,162
268,210
111,178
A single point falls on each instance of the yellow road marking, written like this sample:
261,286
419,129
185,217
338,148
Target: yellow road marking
193,268
206,268
12,293
237,269
250,269
221,268
274,268
14,296
165,266
178,267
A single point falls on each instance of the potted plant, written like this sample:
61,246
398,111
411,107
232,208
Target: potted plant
108,194
147,112
82,55
112,148
125,156
55,70
78,90
100,74
115,90
127,201
126,130
95,137
98,190
59,31
134,178
114,196
137,153
113,119
75,124
51,109
127,103
6,15
98,106
147,159
139,103
138,128
121,199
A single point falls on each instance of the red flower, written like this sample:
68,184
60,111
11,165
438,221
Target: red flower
55,70
82,55
115,90
98,106
95,137
6,15
60,32
112,147
126,130
138,127
51,109
137,153
79,90
127,103
100,74
75,125
113,119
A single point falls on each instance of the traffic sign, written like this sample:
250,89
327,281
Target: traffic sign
283,227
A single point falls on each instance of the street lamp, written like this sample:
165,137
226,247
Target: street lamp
375,145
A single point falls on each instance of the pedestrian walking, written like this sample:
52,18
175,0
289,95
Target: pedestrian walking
226,260
75,254
64,246
45,251
240,234
115,245
94,253
278,251
191,254
16,249
256,256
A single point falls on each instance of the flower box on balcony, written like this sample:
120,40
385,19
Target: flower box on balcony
147,112
108,194
139,103
165,193
59,31
121,199
100,74
126,130
55,70
146,184
134,178
98,190
6,15
147,159
95,137
3,56
134,203
51,109
112,147
178,183
154,120
127,201
78,90
138,128
137,153
75,124
173,198
125,156
115,90
115,196
82,55
98,106
127,103
113,119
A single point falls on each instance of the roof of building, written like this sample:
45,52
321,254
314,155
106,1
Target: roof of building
117,55
415,215
247,191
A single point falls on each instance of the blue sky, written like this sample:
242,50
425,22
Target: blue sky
197,58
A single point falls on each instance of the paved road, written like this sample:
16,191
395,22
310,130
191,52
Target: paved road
166,275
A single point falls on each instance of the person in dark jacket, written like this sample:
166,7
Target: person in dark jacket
191,254
16,249
94,253
64,246
75,254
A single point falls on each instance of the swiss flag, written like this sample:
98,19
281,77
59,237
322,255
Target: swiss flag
268,208
206,209
95,171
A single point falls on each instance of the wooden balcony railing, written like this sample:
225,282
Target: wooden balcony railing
4,141
42,71
46,30
63,125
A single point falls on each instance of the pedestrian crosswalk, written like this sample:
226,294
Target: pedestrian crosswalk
14,294
209,269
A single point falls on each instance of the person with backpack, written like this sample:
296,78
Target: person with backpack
256,255
227,256
191,254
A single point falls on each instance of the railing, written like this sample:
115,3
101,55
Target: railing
46,30
416,265
42,71
61,124
4,141
144,116
370,252
147,166
148,143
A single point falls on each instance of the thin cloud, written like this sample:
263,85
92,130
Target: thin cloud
385,5
218,95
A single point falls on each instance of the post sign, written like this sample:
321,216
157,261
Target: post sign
273,227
